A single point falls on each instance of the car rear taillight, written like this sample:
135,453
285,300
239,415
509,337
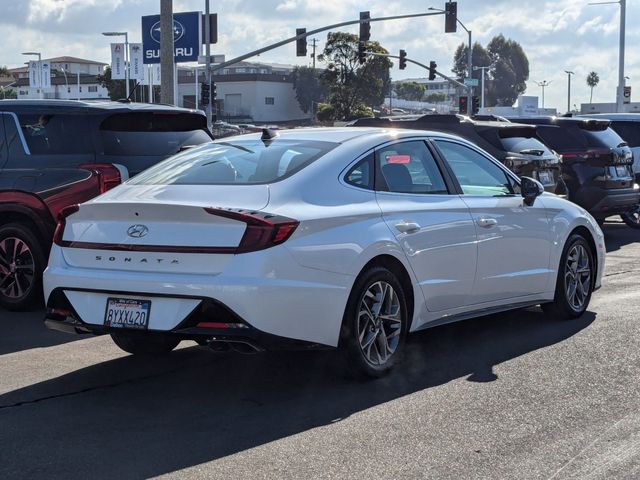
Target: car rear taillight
263,230
62,221
108,175
596,153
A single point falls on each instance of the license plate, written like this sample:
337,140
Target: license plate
622,171
545,177
127,313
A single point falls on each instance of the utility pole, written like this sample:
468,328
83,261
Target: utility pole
166,53
569,73
207,62
314,41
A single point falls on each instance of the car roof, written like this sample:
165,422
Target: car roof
98,105
338,134
552,120
628,117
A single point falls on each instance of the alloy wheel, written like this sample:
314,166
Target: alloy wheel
379,323
17,268
577,277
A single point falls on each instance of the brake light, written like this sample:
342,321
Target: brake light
587,155
263,230
62,222
108,175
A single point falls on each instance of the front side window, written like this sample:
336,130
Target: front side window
409,167
240,162
476,174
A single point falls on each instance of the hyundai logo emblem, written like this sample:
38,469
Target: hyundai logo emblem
178,31
137,231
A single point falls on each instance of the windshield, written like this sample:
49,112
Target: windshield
240,162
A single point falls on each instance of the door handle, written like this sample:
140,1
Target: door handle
485,222
407,227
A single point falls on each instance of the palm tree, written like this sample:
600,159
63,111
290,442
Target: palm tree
592,81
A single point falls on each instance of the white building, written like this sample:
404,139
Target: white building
246,92
586,108
71,78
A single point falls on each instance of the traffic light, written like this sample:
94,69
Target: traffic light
403,59
362,54
204,94
475,105
451,17
463,105
301,43
365,27
432,70
214,91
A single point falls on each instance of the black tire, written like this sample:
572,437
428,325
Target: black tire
22,261
356,359
144,343
632,217
564,305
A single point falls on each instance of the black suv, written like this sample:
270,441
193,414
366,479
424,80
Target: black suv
517,146
56,153
596,163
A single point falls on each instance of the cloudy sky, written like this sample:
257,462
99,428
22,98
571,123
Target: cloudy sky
557,35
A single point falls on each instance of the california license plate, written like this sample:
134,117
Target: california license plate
545,177
127,313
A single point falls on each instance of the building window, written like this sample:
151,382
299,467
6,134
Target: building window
80,89
225,71
269,101
93,88
241,70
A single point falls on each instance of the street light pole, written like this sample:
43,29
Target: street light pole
569,73
543,84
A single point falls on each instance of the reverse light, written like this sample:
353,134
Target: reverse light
62,222
263,230
108,175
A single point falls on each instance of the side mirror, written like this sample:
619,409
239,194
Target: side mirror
531,189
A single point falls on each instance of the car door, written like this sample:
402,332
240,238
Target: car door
514,241
433,226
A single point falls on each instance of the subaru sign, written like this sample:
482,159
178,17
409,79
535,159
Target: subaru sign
186,37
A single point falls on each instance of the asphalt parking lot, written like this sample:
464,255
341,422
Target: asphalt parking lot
515,395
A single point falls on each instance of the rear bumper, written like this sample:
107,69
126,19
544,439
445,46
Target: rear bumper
602,202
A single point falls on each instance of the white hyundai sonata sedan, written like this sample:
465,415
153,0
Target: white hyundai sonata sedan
326,237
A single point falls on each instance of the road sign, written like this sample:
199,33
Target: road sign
626,96
214,59
186,37
471,82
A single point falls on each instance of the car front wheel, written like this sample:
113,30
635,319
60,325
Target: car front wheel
374,325
144,344
575,280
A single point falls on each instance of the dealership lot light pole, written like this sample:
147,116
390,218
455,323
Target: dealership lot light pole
126,55
40,91
543,84
569,73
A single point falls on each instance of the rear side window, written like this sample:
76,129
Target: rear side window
151,133
628,131
362,174
240,162
56,134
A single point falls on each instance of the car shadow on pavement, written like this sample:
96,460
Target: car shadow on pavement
25,330
135,417
617,235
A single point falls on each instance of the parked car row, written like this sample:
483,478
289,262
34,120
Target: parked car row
58,153
584,159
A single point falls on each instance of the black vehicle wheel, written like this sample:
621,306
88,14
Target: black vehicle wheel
575,280
375,324
22,261
632,217
144,344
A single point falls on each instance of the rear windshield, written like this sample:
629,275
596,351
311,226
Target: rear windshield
524,145
572,138
629,131
152,133
238,162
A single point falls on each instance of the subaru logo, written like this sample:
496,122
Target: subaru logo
137,231
178,31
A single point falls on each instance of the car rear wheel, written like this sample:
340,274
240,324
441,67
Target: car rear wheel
374,325
575,280
22,260
632,217
144,344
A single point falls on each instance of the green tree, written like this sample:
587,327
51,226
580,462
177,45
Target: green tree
409,90
435,97
116,88
4,71
308,87
509,69
593,79
353,86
